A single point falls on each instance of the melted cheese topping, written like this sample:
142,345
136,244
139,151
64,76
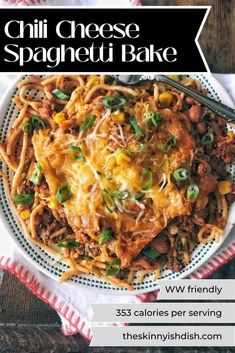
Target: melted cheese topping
134,222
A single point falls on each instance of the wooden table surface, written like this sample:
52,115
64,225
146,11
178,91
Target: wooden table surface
27,325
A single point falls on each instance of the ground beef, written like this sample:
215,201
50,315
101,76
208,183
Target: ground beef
223,149
81,250
202,168
47,109
44,230
161,244
92,249
218,167
27,187
123,274
46,224
230,198
82,237
174,264
74,129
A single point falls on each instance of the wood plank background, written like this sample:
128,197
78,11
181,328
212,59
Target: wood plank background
218,36
27,325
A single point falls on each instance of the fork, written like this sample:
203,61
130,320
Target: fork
217,107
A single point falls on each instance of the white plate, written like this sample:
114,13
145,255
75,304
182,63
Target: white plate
47,263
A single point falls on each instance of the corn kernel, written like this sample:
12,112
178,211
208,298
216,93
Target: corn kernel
122,159
225,187
25,214
118,117
80,109
165,98
175,77
230,136
52,203
59,118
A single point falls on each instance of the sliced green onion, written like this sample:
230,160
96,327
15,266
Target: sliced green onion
108,200
113,268
24,198
151,253
137,130
87,122
37,175
155,118
27,127
170,142
192,192
63,193
70,244
105,236
113,102
34,123
76,153
57,93
86,257
139,196
121,195
207,139
141,147
37,123
146,179
181,174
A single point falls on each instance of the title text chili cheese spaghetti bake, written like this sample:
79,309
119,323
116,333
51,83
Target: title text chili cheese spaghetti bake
118,181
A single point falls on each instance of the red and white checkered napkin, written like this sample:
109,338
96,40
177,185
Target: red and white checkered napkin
73,303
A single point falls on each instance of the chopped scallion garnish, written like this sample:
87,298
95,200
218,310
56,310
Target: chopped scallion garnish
37,123
170,142
151,253
70,244
108,200
146,179
113,102
113,268
181,174
137,130
155,118
63,193
207,139
193,192
58,93
87,122
121,195
105,236
37,175
23,198
76,153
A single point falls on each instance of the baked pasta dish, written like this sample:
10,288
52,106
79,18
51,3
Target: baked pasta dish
118,181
